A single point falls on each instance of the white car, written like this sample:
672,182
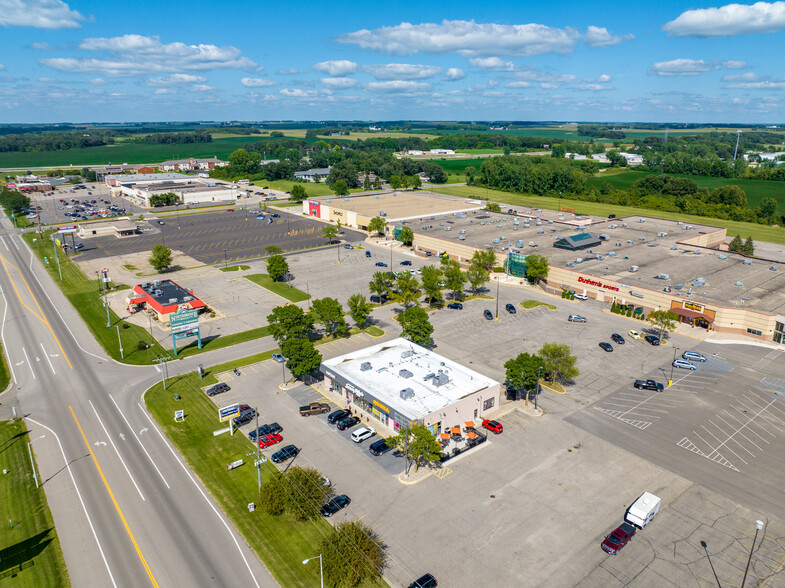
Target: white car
362,434
693,356
684,364
581,297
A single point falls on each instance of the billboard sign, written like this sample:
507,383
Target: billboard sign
184,323
227,412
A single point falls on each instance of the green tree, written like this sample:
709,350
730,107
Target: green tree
559,361
477,276
589,166
664,320
366,182
417,444
298,193
380,283
289,322
329,232
406,236
329,312
736,244
471,173
302,358
454,278
768,208
377,224
415,182
536,268
272,498
273,250
359,309
407,289
484,258
161,258
522,371
304,493
416,326
749,247
616,159
396,182
558,150
493,207
277,267
432,277
341,188
362,563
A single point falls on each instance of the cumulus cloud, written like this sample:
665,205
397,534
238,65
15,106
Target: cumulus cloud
175,80
729,20
734,64
336,68
338,83
398,86
292,71
747,77
160,91
257,83
401,71
297,93
518,85
533,74
601,37
454,74
39,46
681,67
136,54
465,37
603,79
202,88
593,87
98,82
548,86
40,14
492,63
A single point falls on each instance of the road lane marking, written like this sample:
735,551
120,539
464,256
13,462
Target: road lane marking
2,336
215,510
115,450
6,244
114,501
47,359
79,494
28,363
140,442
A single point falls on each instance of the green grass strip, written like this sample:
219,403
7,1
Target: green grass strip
535,303
285,291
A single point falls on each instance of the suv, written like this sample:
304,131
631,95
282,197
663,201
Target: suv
693,356
362,434
494,426
350,421
510,308
246,416
379,447
217,389
581,297
576,318
487,314
652,340
684,364
285,453
426,581
406,262
264,430
338,415
334,505
617,339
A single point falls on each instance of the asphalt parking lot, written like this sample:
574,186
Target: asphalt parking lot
53,211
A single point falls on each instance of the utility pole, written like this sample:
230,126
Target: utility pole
496,318
258,456
738,135
57,259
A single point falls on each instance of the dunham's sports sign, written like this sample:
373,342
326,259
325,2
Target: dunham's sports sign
597,283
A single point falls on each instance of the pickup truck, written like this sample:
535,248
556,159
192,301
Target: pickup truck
618,539
648,385
314,408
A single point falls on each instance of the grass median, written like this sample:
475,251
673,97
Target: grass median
282,289
30,554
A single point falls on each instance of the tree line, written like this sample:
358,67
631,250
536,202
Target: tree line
173,138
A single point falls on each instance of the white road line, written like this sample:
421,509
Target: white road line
6,244
140,442
773,436
2,337
28,363
215,510
79,494
743,426
47,358
14,242
758,447
115,450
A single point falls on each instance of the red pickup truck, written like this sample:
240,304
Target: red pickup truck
619,538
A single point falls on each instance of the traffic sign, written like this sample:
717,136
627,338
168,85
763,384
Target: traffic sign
104,270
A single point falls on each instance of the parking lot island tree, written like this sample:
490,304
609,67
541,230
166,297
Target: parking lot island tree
299,493
161,258
417,444
273,250
407,289
416,326
359,309
558,360
477,276
536,268
298,193
663,320
360,564
485,259
302,358
289,322
277,267
522,372
454,278
329,232
329,313
406,236
378,225
432,278
380,283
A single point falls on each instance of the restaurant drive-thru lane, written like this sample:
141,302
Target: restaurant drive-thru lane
127,509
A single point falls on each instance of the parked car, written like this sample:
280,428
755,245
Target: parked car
684,364
493,426
362,434
336,504
285,453
246,415
576,318
348,246
652,339
270,439
406,262
81,246
381,264
618,538
264,430
378,299
379,447
347,422
487,314
314,408
634,334
279,358
581,297
367,254
510,308
426,581
217,389
688,355
648,385
160,222
606,346
455,305
338,415
617,339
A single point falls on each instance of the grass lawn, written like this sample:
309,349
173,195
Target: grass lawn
280,288
479,151
535,303
30,554
5,375
311,188
457,166
235,268
757,232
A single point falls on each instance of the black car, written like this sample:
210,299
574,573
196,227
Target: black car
285,453
244,418
606,346
426,581
652,340
455,305
379,447
618,339
347,422
407,262
275,215
217,389
381,264
265,430
336,504
338,415
487,314
510,308
377,299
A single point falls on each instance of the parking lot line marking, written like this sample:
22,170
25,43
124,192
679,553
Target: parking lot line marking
738,421
443,473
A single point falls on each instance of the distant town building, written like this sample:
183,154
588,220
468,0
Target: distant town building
191,164
442,152
313,175
109,170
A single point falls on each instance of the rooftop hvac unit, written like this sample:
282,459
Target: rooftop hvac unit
739,283
696,252
687,227
441,379
382,213
515,222
679,286
376,196
642,238
570,264
407,394
494,241
662,234
405,374
633,268
538,222
611,254
674,248
641,220
503,238
603,237
519,243
407,353
550,222
346,200
773,268
722,257
662,277
328,200
366,366
172,300
159,292
540,231
612,226
462,237
532,244
747,262
624,225
553,229
699,282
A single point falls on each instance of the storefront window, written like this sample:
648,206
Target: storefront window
779,332
754,332
488,404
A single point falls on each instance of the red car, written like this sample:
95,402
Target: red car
494,426
270,439
619,538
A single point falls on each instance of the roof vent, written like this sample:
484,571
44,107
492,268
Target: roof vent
366,366
674,248
773,268
407,394
662,234
405,374
440,379
633,268
747,262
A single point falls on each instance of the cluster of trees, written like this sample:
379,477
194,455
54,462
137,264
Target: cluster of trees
13,201
601,131
508,143
165,199
531,175
553,360
31,142
174,138
745,247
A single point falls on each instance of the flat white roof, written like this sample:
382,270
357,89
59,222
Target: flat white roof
385,380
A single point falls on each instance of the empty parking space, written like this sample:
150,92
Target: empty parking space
639,408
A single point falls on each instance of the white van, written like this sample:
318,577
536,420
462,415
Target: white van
581,297
643,510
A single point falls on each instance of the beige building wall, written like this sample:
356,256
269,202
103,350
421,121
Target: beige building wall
464,410
710,239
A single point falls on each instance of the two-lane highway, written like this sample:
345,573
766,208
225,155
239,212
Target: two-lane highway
128,511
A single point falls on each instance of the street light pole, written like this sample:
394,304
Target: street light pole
120,342
225,262
321,570
758,526
496,318
539,371
32,463
670,381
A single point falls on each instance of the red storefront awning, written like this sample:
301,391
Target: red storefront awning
693,314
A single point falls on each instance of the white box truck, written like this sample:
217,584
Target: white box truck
643,510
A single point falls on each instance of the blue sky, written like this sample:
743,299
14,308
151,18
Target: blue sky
665,61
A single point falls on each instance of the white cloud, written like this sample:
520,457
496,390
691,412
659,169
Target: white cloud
257,83
175,80
165,91
40,46
98,81
467,38
758,85
401,71
454,74
137,54
492,63
747,77
40,14
734,64
398,86
338,83
593,87
603,79
729,20
292,71
681,67
518,85
2,66
533,74
201,88
601,37
548,86
336,68
297,93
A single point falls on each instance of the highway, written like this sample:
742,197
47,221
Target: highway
128,510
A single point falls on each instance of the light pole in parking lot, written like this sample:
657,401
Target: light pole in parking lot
539,371
225,262
496,318
758,526
321,570
670,381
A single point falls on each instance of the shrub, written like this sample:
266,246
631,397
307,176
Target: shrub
498,270
141,346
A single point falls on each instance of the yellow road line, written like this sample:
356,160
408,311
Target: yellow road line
117,506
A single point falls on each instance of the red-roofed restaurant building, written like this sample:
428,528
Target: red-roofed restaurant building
162,297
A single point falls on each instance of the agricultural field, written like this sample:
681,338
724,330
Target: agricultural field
300,133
